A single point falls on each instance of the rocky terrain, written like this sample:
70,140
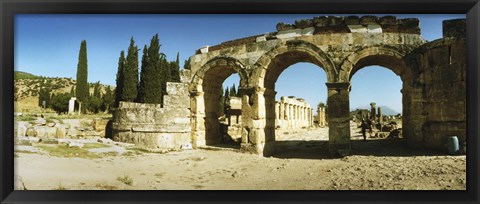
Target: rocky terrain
301,162
27,87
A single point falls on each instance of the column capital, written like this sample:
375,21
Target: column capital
337,86
251,90
196,93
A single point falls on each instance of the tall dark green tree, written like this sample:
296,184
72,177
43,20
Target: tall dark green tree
82,91
72,91
44,95
186,64
175,70
130,73
108,100
153,74
226,97
120,78
141,84
233,91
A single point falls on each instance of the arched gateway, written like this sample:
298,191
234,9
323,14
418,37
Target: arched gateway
432,74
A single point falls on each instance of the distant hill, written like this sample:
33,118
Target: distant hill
27,87
25,75
385,110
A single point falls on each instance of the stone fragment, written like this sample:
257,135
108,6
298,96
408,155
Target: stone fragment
284,27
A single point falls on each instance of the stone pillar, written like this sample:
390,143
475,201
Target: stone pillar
277,113
380,116
281,116
338,117
290,115
254,139
197,105
372,111
71,105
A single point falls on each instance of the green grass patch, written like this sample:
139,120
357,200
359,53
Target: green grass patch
63,150
125,179
94,145
24,151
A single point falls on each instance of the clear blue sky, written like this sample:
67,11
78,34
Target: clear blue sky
48,45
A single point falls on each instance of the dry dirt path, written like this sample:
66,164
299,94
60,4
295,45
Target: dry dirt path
299,164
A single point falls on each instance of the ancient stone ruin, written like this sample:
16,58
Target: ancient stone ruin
293,112
433,76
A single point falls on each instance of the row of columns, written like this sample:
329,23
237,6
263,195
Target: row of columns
293,112
258,136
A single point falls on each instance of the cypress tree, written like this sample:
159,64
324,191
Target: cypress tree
175,70
72,91
154,73
141,84
233,91
186,64
130,73
82,91
227,97
120,77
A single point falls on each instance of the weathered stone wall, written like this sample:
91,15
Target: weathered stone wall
441,68
152,126
340,46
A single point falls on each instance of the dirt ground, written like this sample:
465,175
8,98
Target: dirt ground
301,162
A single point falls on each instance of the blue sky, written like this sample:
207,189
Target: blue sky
48,45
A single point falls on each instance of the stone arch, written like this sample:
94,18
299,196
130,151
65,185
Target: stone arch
219,66
386,56
267,70
390,57
205,88
289,53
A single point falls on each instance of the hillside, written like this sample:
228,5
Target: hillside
385,110
27,87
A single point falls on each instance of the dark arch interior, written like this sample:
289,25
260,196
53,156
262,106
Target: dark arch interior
381,126
212,88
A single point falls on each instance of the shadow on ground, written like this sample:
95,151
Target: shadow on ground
301,149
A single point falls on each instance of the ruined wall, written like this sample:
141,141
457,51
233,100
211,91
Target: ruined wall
152,126
441,67
291,112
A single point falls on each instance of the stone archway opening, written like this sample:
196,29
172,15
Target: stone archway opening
376,96
292,114
300,109
215,119
379,87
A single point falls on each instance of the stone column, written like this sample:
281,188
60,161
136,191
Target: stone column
380,116
254,139
372,111
197,105
290,116
338,117
71,106
281,116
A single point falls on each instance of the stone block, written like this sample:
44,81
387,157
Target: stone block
285,26
99,124
21,128
308,31
367,20
357,28
352,20
387,20
320,21
455,28
289,34
61,132
373,28
304,23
